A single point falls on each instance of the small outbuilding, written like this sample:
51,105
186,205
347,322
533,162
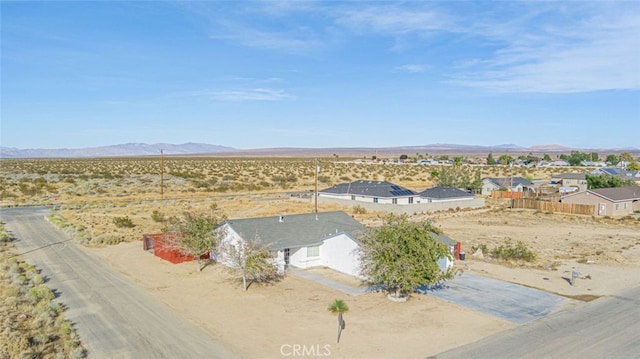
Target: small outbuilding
160,246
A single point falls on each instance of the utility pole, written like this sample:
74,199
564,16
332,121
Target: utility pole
161,173
316,170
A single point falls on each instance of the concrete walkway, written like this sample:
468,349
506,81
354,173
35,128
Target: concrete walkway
327,282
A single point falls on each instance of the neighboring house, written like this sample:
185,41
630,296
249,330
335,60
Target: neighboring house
161,248
570,182
389,197
442,194
325,239
511,184
620,173
593,163
614,202
370,191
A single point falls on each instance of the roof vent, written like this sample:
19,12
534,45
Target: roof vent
281,219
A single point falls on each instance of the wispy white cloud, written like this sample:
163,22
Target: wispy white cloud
597,50
393,19
413,68
259,94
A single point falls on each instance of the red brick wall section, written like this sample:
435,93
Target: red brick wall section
172,255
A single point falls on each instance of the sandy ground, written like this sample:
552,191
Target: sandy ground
272,321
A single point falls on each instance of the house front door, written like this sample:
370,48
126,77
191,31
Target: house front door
286,258
602,208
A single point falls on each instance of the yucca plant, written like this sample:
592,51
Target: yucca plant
339,307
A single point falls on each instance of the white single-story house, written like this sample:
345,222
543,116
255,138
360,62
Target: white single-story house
326,239
444,194
370,191
511,184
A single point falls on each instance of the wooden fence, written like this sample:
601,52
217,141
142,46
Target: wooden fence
545,206
507,194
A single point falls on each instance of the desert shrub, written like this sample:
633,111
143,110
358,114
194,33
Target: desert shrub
357,209
39,293
158,216
123,222
509,251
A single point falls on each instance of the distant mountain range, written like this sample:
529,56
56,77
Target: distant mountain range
191,149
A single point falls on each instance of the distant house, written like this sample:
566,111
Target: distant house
444,194
620,173
614,202
570,182
325,239
370,191
389,197
511,184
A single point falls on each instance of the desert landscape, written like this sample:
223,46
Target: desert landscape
268,320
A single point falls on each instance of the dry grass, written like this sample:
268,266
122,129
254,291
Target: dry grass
33,324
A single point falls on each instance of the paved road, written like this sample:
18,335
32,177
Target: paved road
508,301
605,328
114,317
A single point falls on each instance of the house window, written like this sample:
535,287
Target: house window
625,205
375,199
617,206
410,200
313,251
394,200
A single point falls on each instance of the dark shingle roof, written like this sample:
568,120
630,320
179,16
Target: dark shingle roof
629,193
507,181
370,189
297,230
444,192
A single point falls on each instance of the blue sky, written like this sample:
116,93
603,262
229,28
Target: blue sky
320,74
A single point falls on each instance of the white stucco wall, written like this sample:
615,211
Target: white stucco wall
340,253
298,258
368,199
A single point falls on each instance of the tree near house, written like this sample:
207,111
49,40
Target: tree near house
401,256
251,260
458,176
193,234
490,160
505,159
339,307
606,181
612,159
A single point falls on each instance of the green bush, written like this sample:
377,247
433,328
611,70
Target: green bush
509,251
158,216
123,222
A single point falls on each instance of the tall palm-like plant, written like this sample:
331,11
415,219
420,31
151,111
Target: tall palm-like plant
339,307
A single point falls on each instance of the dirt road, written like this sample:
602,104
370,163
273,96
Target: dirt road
113,316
